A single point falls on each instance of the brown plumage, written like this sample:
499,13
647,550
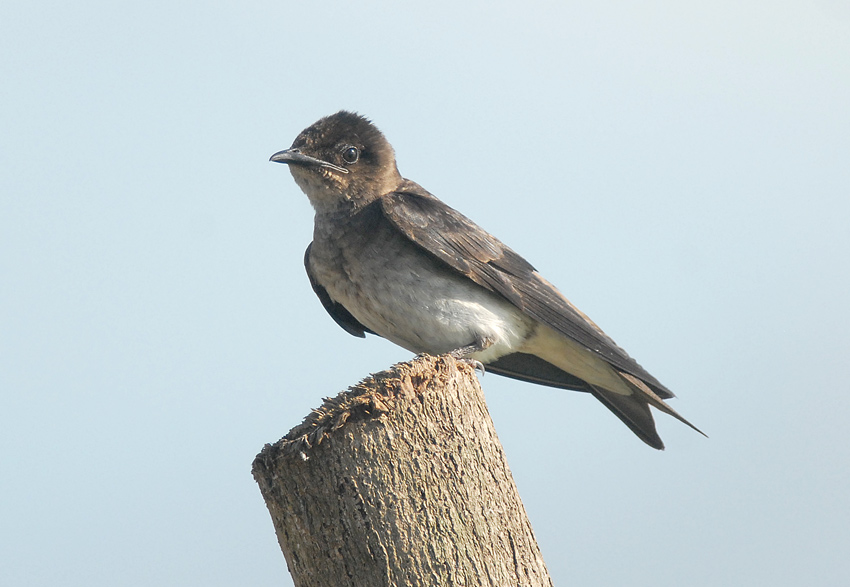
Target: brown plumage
391,259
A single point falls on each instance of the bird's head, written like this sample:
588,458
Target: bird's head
341,162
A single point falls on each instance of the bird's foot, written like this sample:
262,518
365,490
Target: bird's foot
470,349
463,353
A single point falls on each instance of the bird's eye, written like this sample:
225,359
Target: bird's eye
350,154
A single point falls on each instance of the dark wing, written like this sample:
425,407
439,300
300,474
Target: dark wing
460,243
337,311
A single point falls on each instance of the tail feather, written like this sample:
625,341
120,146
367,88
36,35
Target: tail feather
633,411
643,391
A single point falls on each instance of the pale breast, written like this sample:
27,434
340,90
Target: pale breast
406,296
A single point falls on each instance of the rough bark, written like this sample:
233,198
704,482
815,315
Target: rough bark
401,480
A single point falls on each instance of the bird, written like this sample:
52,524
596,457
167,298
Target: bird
389,258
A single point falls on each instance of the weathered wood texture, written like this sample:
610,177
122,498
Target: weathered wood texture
400,481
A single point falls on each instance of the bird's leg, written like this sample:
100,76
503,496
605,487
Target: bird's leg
462,353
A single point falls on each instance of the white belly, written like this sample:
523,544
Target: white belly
424,307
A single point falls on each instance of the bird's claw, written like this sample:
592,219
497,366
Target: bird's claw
475,364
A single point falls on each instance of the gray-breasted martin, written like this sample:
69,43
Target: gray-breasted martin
391,259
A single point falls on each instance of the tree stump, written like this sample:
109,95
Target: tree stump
400,481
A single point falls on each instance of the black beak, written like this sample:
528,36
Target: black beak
296,157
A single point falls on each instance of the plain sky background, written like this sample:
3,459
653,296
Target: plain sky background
680,170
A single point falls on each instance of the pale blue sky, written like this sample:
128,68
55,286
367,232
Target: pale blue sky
680,171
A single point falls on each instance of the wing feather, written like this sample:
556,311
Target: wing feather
465,247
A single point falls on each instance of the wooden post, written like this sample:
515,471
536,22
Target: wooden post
400,481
